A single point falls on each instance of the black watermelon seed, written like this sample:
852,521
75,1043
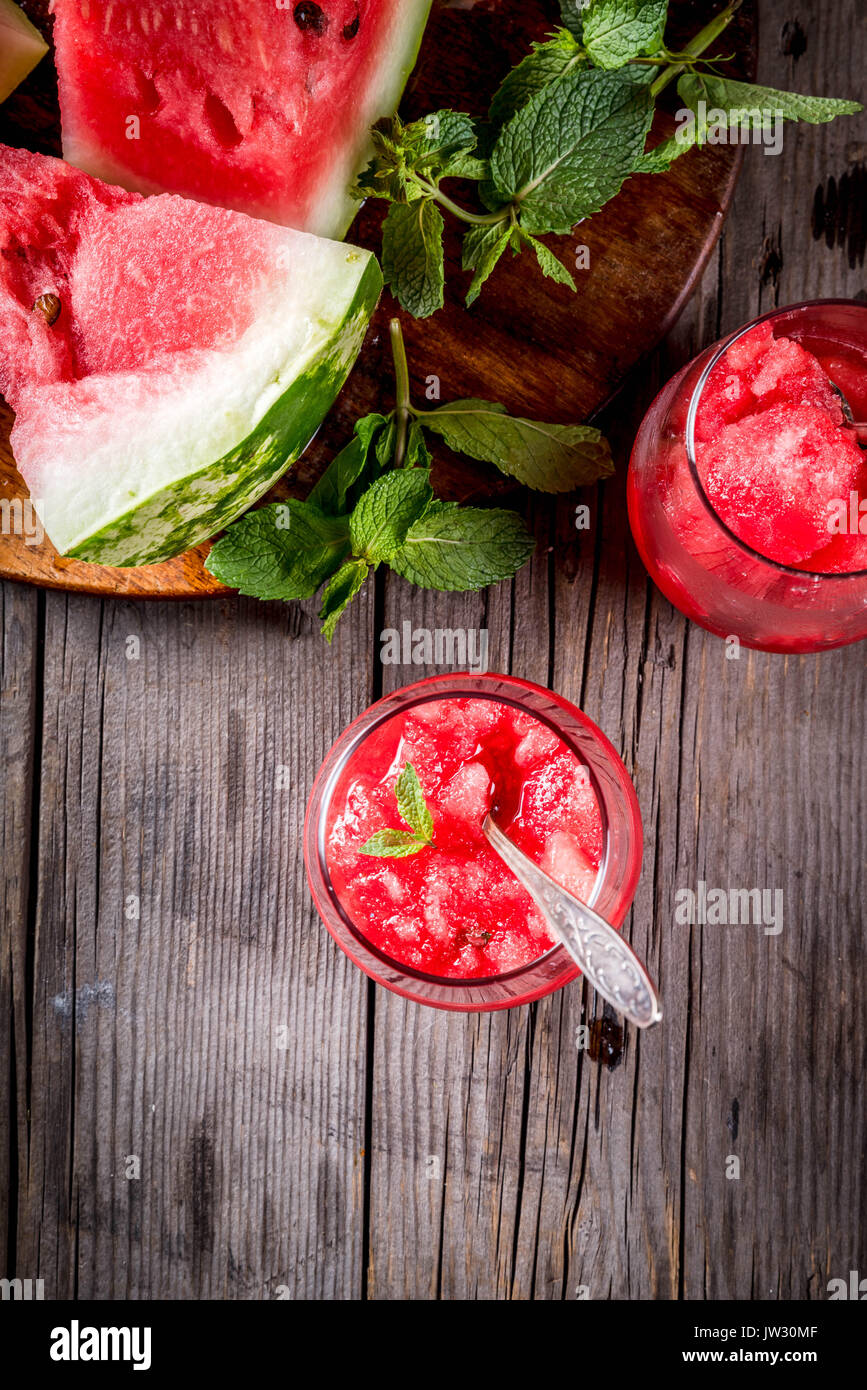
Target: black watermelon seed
350,30
310,16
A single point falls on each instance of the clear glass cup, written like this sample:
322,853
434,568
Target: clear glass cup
615,883
699,564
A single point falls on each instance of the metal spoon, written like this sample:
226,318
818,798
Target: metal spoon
609,963
859,428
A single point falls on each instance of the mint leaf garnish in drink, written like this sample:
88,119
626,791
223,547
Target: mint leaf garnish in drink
392,844
397,844
412,805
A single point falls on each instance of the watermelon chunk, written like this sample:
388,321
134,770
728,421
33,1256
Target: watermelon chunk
773,475
259,105
21,47
166,360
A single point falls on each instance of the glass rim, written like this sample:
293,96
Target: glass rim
689,438
555,963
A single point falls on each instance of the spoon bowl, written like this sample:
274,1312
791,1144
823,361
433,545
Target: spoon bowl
608,962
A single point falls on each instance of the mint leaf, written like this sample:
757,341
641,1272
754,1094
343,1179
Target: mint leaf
392,844
339,593
384,447
386,511
546,62
397,844
616,30
434,143
440,145
283,551
412,805
568,151
412,256
660,159
572,12
461,548
549,458
417,452
332,494
482,248
386,175
747,106
466,166
554,269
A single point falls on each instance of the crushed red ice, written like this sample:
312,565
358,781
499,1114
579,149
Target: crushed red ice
776,454
455,910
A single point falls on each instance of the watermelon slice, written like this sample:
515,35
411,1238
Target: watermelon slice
21,47
259,105
166,360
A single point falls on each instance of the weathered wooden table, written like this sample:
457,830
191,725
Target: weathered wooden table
206,1100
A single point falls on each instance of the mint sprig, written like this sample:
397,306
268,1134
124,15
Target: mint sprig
567,126
375,505
411,804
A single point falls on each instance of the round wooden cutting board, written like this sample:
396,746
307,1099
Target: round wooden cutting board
537,347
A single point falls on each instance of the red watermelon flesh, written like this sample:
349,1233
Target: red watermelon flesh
259,105
74,227
193,353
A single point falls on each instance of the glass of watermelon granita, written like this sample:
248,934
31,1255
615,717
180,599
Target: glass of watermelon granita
748,484
448,924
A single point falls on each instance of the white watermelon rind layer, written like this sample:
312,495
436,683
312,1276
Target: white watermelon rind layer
335,208
338,207
181,515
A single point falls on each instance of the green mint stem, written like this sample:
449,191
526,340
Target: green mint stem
696,46
401,378
477,219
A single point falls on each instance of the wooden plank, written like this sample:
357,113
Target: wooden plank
19,693
218,1038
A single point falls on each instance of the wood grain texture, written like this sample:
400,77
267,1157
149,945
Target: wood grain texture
646,251
389,1151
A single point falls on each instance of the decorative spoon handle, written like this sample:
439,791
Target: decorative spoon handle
608,962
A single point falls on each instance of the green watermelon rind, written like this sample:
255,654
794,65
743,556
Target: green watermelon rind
174,519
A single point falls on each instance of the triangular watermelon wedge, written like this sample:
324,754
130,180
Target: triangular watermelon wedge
166,360
260,105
